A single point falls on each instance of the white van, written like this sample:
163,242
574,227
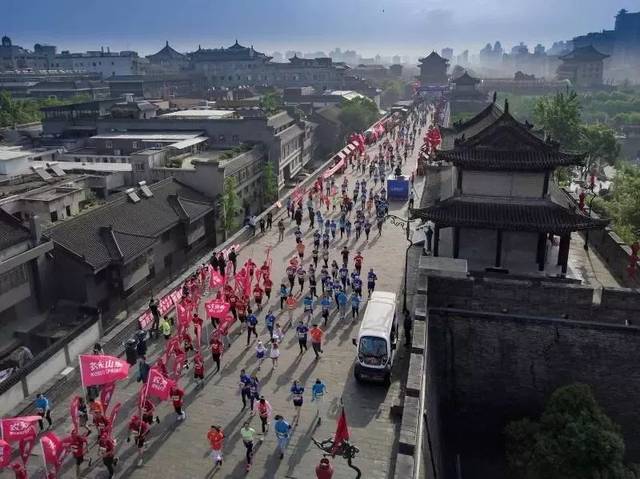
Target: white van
377,338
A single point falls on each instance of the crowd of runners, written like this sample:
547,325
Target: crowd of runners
328,278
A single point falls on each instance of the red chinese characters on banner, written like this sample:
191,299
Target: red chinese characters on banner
96,370
158,386
217,308
17,428
5,453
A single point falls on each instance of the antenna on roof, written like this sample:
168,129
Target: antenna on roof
506,105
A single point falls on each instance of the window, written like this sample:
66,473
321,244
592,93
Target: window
221,139
54,216
68,208
166,236
13,278
108,144
235,139
134,145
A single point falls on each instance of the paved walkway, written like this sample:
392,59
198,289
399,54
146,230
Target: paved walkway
180,449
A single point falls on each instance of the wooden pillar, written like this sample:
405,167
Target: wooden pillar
436,240
456,242
498,249
542,249
563,252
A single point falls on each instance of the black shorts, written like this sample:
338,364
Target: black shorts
79,460
140,442
297,402
198,376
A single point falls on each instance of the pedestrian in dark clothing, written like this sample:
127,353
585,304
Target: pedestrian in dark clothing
233,257
269,220
262,225
214,262
429,236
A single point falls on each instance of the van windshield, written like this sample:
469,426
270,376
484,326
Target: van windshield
372,350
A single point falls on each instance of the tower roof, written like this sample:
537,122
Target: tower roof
466,79
167,52
588,54
433,57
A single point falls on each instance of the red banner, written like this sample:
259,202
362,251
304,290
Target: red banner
74,412
106,393
342,432
158,386
333,169
178,365
5,453
217,308
165,304
197,327
96,370
184,315
53,451
17,428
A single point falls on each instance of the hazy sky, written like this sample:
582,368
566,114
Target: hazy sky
387,26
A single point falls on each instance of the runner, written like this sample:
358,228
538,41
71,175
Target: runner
358,261
274,354
355,305
198,370
140,429
217,348
284,293
215,436
302,330
371,281
177,394
245,388
264,410
270,319
248,434
325,304
297,396
316,339
254,390
78,446
107,448
318,391
307,302
278,335
261,351
268,284
282,429
148,410
291,306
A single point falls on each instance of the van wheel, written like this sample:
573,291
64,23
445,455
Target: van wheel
357,376
387,379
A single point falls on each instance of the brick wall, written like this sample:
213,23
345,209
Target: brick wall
492,368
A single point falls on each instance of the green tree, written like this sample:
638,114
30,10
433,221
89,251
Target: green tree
393,91
598,141
574,439
271,103
270,179
559,116
14,112
230,205
622,205
358,114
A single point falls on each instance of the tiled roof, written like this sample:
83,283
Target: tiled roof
433,57
472,126
121,229
167,52
509,160
11,231
588,53
539,216
505,144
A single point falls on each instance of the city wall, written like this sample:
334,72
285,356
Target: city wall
492,368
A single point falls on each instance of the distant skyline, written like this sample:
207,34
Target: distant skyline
388,27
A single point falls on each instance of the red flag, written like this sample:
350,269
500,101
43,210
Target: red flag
184,315
215,279
158,385
198,332
106,393
112,418
53,451
96,369
25,446
5,453
342,432
178,365
74,412
17,428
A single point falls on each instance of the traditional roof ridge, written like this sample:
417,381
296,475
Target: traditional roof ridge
544,216
465,78
587,52
493,109
433,56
